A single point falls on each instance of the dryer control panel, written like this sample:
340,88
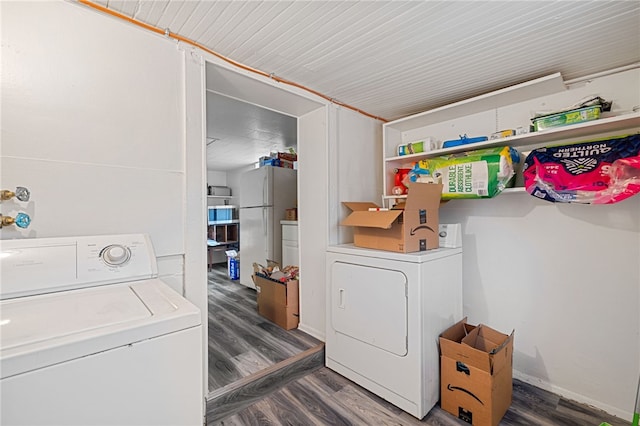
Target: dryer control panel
44,265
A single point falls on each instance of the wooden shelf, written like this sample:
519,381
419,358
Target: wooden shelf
515,190
223,222
222,215
222,233
476,112
603,125
213,243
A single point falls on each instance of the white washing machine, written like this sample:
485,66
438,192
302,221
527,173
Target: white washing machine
385,313
90,336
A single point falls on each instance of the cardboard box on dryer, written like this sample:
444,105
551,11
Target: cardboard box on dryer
412,229
476,373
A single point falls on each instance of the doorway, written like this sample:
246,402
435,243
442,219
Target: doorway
239,135
230,301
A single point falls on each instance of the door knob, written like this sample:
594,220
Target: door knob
21,193
22,220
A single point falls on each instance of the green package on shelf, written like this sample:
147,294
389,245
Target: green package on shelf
482,173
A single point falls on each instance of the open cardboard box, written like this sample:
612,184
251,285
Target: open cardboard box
278,301
405,231
476,373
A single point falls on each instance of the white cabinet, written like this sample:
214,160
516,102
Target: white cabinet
290,250
510,108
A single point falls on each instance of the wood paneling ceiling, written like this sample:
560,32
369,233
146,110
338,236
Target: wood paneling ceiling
395,58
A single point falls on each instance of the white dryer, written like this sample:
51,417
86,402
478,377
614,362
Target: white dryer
90,336
385,312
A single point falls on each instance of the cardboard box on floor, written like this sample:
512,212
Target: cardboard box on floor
405,231
476,373
278,301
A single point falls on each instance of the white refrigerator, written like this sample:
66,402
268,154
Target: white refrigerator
265,194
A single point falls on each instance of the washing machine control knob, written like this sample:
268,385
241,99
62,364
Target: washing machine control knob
115,255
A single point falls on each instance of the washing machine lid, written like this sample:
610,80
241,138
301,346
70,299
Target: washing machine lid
47,329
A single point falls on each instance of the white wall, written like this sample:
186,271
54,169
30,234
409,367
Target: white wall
565,277
215,178
312,218
195,273
350,150
93,123
97,140
357,162
233,182
229,179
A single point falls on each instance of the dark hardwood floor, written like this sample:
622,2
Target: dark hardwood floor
261,374
241,342
326,398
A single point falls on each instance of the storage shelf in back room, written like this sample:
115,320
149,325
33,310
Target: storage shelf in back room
223,222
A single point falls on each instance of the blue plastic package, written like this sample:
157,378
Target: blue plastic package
464,140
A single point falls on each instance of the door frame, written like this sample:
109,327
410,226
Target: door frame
203,73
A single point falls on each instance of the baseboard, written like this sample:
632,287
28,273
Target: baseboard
312,332
539,383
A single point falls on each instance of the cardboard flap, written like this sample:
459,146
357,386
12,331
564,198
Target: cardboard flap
423,195
485,339
372,219
451,338
502,354
486,343
477,346
458,331
359,205
473,357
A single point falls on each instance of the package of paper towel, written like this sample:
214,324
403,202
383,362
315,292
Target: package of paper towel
603,171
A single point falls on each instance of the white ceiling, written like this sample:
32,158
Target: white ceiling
396,58
239,133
